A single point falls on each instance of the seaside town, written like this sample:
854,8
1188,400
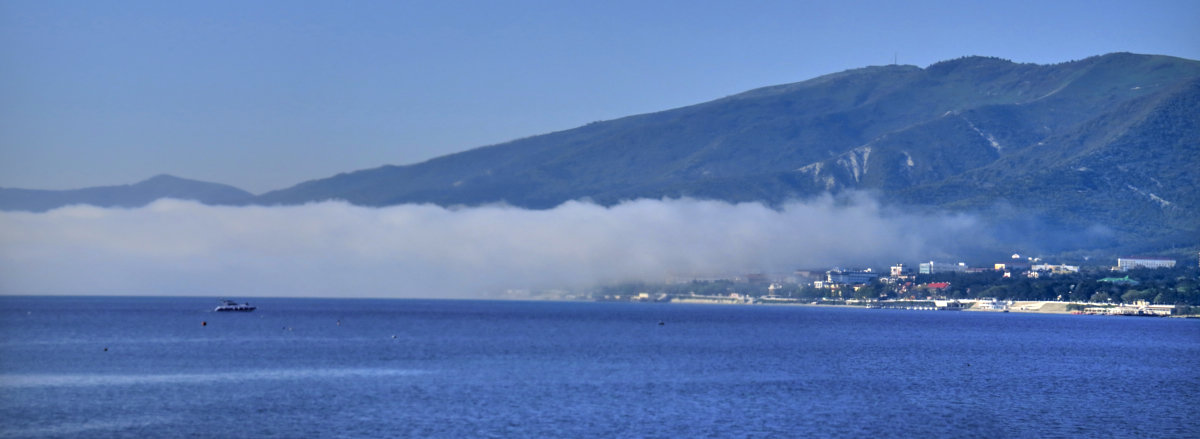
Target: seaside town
1133,286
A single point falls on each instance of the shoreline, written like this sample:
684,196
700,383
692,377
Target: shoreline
1016,307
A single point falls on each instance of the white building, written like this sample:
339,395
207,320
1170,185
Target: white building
1131,263
1056,269
940,267
991,305
850,277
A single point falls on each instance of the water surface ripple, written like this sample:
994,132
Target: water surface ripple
169,367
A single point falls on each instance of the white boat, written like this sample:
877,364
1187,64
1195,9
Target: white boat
229,305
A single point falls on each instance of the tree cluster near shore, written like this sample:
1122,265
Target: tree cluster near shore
1168,286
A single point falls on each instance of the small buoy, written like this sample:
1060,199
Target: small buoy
393,336
339,323
106,349
203,323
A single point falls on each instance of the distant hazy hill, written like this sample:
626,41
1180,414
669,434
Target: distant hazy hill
1096,152
130,195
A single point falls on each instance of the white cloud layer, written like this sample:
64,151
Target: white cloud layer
338,250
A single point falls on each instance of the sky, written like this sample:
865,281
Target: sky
266,94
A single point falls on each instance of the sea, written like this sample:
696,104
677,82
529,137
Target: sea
160,367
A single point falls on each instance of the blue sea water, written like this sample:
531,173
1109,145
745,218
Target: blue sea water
92,367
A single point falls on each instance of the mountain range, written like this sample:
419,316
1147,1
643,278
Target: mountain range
129,195
1099,153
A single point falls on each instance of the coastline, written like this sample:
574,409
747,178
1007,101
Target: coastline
1021,307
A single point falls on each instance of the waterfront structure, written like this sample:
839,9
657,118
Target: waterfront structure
1139,308
991,305
731,299
1131,263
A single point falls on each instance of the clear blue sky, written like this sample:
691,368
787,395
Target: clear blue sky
266,94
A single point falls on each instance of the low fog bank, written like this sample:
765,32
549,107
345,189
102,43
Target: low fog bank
335,249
